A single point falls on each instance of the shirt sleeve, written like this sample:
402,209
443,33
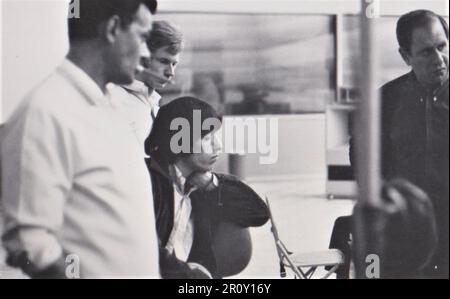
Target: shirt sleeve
36,184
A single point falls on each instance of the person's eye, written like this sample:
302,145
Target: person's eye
442,47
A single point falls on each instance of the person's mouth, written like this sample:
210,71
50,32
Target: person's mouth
163,83
440,71
166,81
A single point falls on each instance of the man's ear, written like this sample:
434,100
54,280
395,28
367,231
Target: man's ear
111,29
405,56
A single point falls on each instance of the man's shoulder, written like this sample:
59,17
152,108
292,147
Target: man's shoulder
122,96
49,96
117,92
396,85
232,181
55,101
227,177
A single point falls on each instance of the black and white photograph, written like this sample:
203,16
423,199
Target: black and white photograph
242,141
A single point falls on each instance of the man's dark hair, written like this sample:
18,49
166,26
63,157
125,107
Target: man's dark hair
412,20
158,143
95,12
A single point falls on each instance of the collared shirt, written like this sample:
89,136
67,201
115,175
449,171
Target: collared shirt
74,179
182,235
415,139
415,133
136,105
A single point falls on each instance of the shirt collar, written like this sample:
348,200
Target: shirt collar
154,99
422,90
84,83
442,88
141,90
137,86
177,178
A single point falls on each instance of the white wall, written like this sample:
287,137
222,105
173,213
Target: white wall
34,42
301,150
390,7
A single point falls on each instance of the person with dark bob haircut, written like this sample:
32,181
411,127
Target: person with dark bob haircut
193,204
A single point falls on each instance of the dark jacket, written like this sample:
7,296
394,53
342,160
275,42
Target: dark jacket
232,202
415,144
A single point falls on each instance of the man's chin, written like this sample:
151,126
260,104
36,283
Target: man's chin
158,85
124,80
441,80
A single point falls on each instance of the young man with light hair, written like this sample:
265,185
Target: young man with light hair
139,102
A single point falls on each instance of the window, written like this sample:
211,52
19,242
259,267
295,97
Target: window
256,63
391,64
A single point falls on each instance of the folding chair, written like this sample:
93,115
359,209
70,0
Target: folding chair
304,264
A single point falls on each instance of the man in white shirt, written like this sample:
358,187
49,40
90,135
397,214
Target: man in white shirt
76,193
139,102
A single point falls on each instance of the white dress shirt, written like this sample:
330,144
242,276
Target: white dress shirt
182,236
74,179
136,105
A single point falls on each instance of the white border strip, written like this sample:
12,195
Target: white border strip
258,6
387,7
285,178
1,61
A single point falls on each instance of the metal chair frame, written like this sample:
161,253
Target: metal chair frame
309,263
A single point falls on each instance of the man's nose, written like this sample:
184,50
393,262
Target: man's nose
170,71
438,58
145,53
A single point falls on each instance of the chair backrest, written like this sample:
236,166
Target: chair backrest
272,222
283,253
232,247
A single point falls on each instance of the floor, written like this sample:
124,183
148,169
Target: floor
304,217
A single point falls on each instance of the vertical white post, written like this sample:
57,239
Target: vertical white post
367,140
1,62
369,149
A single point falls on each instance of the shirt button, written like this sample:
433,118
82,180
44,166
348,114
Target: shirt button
435,99
421,100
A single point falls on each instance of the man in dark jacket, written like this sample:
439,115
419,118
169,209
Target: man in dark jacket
191,202
415,123
415,119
